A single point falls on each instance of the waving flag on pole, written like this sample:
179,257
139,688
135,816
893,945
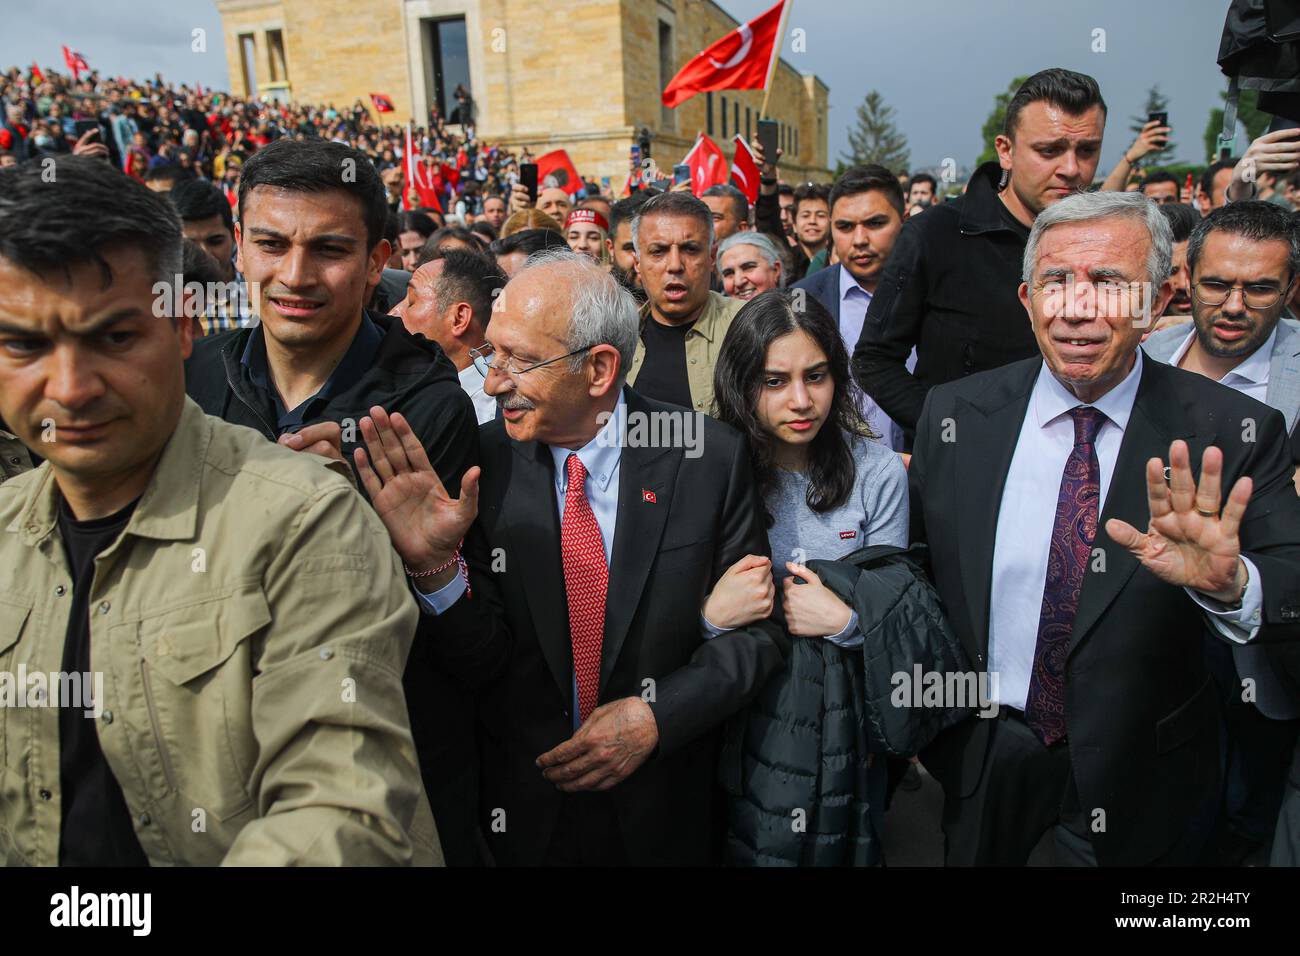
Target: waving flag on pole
383,102
744,170
708,165
76,62
741,60
415,175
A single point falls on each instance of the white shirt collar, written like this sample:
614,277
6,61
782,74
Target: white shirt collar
849,285
470,379
1254,370
1051,399
601,455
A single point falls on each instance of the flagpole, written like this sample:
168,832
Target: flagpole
776,57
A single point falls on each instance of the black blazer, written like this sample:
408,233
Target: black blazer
511,638
1141,712
824,286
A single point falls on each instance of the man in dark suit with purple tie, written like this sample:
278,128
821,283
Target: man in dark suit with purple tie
1081,571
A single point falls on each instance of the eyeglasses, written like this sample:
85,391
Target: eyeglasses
480,358
1255,296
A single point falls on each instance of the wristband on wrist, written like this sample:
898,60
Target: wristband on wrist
455,558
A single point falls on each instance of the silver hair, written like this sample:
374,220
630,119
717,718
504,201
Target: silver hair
760,241
602,311
1089,207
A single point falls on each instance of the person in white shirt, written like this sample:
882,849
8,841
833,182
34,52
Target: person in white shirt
1079,570
449,301
1244,259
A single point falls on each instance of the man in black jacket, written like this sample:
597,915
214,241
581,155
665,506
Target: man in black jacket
310,244
949,289
591,546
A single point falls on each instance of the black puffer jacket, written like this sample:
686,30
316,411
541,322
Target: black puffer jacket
807,785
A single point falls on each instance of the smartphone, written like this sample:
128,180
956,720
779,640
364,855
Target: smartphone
767,138
82,127
528,179
681,173
1281,122
644,145
1161,117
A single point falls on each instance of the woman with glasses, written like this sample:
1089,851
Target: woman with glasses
828,488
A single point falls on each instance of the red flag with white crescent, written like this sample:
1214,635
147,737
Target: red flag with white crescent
708,165
75,61
740,60
744,170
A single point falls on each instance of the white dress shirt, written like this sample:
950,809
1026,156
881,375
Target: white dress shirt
485,406
854,301
1028,514
1250,377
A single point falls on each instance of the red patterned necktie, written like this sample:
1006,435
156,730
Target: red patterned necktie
1072,536
586,582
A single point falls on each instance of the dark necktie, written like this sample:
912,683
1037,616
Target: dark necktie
1072,536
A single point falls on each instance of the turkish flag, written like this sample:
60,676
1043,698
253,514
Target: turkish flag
708,165
75,61
744,170
557,163
416,175
383,103
741,60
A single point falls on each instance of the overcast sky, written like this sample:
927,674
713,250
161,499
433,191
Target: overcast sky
939,63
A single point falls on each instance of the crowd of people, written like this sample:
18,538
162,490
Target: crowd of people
565,528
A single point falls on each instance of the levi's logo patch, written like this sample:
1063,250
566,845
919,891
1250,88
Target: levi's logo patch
848,535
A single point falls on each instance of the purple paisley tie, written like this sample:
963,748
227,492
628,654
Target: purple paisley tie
1072,534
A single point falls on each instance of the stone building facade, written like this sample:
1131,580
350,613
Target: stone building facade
583,75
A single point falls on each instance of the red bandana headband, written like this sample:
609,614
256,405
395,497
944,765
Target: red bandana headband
587,215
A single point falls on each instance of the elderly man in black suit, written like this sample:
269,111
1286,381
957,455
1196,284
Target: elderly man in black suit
600,522
1081,570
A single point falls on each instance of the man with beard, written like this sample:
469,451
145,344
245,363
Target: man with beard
866,215
1182,219
1244,259
949,288
624,251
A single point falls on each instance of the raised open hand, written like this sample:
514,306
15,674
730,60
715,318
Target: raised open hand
425,523
1188,542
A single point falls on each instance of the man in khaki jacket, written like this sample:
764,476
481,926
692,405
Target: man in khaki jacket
202,634
682,322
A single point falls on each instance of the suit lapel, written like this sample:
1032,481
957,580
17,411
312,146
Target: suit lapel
1156,421
1284,375
986,432
645,486
529,514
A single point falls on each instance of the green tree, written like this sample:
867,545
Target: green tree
876,137
1157,102
997,120
1247,113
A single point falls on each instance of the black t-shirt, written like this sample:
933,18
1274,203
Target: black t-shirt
663,371
96,826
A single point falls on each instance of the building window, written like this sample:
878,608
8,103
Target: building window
724,117
447,69
796,142
708,106
735,117
248,60
666,69
748,137
275,52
